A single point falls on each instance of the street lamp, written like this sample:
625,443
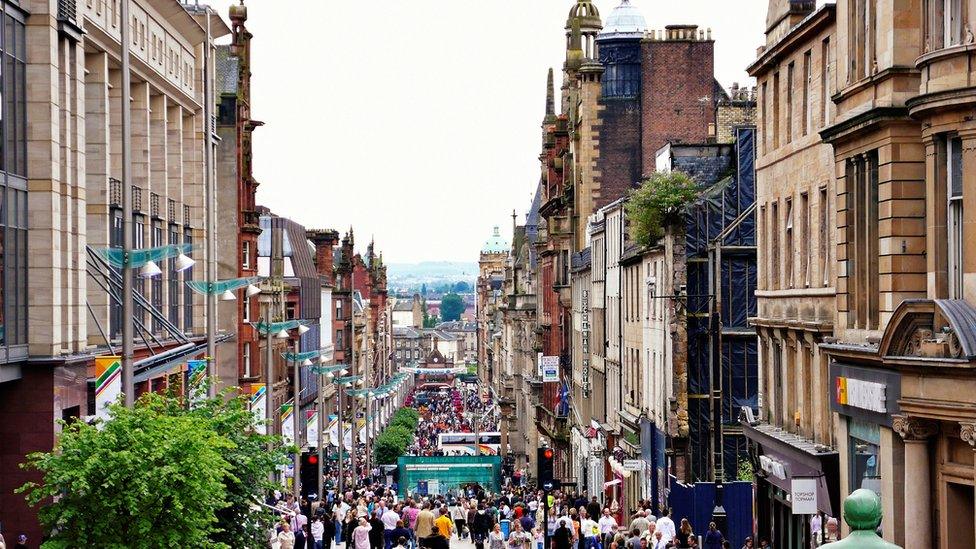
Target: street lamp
345,381
126,259
225,289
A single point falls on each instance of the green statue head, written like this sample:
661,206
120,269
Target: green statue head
862,510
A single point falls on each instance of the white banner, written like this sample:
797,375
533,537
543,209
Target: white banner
312,428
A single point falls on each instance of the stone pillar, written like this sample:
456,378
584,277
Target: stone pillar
918,486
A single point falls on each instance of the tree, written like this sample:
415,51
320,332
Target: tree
462,287
659,203
423,289
156,475
451,307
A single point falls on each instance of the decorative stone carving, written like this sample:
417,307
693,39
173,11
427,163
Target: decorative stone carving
967,432
914,345
914,428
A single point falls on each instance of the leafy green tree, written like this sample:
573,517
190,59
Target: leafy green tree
659,203
451,307
462,287
423,289
157,475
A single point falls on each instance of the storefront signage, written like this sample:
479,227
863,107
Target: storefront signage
633,465
772,467
585,332
866,395
803,496
550,369
549,365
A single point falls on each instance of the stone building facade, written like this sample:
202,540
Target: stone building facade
62,189
796,216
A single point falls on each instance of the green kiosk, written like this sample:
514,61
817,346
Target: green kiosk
434,475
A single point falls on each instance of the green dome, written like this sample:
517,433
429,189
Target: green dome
496,244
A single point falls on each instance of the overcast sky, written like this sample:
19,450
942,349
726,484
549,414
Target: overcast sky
418,122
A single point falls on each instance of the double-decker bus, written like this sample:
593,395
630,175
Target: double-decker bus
463,444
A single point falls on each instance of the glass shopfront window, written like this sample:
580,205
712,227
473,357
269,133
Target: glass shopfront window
864,440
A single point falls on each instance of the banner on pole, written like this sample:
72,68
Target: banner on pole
196,373
287,424
259,406
108,383
312,428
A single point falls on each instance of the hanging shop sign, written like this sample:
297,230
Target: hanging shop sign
287,424
550,369
803,496
864,393
312,428
196,374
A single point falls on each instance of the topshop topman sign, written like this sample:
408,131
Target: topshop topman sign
803,496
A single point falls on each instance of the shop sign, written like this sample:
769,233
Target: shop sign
857,393
803,496
633,465
550,368
585,332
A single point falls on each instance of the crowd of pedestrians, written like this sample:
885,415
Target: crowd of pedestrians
449,410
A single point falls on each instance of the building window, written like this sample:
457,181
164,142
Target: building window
187,292
864,440
861,29
339,310
774,281
764,122
174,279
825,81
807,97
789,255
824,237
338,341
790,83
157,282
138,243
246,254
954,223
774,105
246,310
621,80
945,23
291,310
804,252
862,245
246,359
776,406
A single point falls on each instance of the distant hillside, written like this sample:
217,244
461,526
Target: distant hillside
433,269
411,276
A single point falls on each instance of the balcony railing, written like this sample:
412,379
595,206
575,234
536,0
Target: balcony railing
154,205
186,215
136,199
171,210
68,10
114,192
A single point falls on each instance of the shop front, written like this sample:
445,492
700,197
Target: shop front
908,410
796,484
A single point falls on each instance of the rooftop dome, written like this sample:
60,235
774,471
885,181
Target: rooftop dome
586,12
625,21
496,244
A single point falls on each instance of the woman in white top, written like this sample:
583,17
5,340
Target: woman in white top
496,540
286,538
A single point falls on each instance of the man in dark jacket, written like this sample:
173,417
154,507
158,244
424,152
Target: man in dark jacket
594,509
563,537
482,524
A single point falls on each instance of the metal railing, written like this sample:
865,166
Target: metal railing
171,210
154,205
136,199
68,10
114,192
186,215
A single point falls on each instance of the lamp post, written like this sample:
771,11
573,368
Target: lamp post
346,382
325,373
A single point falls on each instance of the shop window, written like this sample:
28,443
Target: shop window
864,449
